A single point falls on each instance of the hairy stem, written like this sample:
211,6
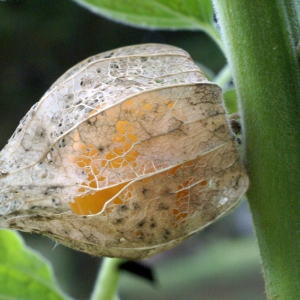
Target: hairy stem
260,42
107,280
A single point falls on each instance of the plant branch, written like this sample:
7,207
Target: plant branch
259,40
223,78
107,280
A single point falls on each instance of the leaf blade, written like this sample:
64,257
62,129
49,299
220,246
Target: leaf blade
158,14
23,273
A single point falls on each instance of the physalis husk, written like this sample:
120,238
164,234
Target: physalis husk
126,155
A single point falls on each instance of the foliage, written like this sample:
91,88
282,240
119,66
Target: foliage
24,274
159,14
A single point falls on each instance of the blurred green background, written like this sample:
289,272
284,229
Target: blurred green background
40,40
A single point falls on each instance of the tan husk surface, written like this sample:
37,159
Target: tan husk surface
126,155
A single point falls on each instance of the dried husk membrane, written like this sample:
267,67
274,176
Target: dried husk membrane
126,155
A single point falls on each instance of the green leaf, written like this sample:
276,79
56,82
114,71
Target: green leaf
23,273
158,14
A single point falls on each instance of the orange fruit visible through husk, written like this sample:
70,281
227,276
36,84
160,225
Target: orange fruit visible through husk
126,155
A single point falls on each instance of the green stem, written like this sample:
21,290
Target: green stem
107,280
260,42
224,77
292,9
